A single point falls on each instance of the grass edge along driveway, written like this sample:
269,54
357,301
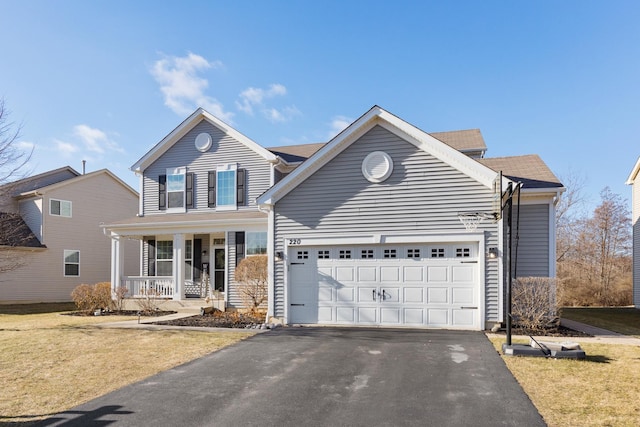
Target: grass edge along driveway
50,362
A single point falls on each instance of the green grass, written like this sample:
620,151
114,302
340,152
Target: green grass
624,320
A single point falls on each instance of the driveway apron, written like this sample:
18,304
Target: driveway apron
325,377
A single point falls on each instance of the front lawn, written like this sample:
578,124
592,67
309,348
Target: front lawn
50,362
624,320
602,390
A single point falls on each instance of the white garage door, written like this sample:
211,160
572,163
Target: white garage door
434,285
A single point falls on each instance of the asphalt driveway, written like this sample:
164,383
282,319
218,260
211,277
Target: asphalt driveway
325,377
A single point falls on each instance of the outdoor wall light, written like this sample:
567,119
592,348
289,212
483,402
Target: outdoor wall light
278,256
493,253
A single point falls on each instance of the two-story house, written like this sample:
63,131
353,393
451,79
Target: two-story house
383,225
50,235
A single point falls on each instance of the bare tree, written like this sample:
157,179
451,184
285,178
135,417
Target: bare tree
569,212
14,233
595,266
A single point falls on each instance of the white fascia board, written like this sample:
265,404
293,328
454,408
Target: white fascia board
320,157
404,130
438,149
634,173
188,124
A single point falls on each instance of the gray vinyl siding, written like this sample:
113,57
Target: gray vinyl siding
95,200
635,196
533,243
224,149
423,194
31,212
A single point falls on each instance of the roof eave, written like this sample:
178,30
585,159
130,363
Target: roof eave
634,173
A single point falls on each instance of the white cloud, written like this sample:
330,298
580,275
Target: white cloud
66,149
25,145
183,88
255,97
338,124
283,115
95,140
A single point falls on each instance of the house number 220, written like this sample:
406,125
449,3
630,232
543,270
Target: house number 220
294,241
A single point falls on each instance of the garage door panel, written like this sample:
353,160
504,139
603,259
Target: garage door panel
390,315
325,315
462,318
367,294
325,294
346,314
367,274
413,295
463,295
390,274
345,294
344,274
368,315
438,317
437,295
437,273
390,294
462,273
414,316
413,274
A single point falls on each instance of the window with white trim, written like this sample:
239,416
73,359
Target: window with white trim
413,253
256,243
164,257
188,259
60,208
324,254
176,189
437,252
226,186
390,253
71,263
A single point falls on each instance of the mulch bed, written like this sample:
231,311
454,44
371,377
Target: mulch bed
155,313
560,331
218,319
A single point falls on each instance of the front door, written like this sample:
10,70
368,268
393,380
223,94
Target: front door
217,273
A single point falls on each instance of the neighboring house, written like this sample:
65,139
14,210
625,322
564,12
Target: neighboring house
363,230
634,181
50,235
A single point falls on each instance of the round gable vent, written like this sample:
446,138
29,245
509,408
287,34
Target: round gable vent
377,166
203,142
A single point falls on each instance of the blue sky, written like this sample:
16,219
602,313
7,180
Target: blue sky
106,80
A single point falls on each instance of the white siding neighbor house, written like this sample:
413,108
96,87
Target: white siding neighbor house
634,182
51,240
366,229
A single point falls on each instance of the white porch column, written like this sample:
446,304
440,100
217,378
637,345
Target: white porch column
178,266
117,262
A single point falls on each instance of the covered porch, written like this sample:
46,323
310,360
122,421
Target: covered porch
186,256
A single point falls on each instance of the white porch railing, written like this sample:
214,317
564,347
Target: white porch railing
144,286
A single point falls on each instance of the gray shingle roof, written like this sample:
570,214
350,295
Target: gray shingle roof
528,169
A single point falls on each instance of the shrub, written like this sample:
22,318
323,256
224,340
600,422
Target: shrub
120,295
91,298
534,305
150,301
251,276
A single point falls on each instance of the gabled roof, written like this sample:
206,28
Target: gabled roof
50,187
189,123
378,116
40,180
634,173
462,140
528,169
15,232
296,153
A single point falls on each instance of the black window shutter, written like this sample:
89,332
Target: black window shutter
239,246
241,197
189,189
211,197
151,257
162,192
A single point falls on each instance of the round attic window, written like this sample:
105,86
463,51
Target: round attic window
203,142
377,166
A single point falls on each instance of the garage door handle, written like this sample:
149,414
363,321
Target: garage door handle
374,294
297,263
468,308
